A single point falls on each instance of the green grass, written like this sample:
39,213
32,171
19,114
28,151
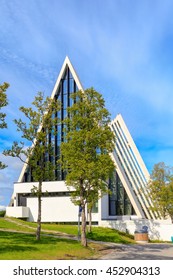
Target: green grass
16,245
19,246
110,235
69,229
98,233
4,224
31,226
20,225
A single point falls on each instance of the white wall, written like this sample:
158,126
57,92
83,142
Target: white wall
54,209
157,229
54,186
17,212
104,201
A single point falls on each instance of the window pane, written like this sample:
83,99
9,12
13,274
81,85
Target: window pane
65,101
71,85
112,208
65,86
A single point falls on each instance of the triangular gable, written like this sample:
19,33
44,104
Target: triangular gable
125,150
131,169
66,64
61,74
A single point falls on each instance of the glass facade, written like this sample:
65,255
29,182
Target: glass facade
66,87
119,203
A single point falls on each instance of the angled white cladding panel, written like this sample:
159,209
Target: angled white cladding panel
127,186
131,169
133,146
66,64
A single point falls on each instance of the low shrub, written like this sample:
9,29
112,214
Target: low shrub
2,213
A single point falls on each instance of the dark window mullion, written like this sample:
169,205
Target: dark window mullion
68,87
55,142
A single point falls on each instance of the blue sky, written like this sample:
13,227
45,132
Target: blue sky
123,48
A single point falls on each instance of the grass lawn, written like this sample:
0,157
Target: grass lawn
98,233
23,246
110,235
19,246
15,224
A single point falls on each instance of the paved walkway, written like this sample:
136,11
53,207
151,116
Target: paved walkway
159,251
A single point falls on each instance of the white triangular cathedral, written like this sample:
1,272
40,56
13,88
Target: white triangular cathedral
128,198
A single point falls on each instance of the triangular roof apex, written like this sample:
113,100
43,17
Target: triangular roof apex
67,58
57,84
73,72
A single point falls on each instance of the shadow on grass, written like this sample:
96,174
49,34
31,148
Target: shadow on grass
110,235
14,242
17,242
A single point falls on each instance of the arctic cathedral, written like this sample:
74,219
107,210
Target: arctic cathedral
128,199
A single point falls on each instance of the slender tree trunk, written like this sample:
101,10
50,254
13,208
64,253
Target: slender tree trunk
171,218
83,227
38,232
83,215
90,219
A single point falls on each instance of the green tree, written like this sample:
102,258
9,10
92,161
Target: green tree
3,103
85,151
161,189
41,123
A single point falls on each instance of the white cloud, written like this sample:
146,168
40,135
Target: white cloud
44,71
13,163
8,176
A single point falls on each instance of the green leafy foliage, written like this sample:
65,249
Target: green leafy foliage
36,130
3,103
86,147
2,213
161,189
